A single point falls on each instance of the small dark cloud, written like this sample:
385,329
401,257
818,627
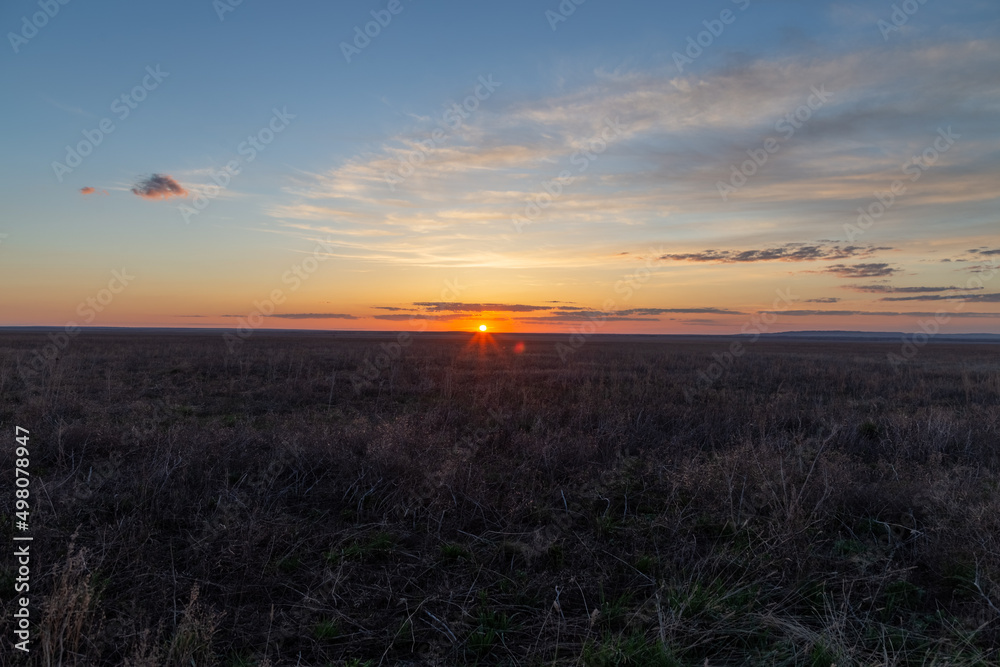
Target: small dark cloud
825,299
159,186
789,252
393,308
872,270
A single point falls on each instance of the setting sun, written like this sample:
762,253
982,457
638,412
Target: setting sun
482,327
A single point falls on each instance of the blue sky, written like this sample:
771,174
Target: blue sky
601,163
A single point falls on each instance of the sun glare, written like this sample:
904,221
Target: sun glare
482,327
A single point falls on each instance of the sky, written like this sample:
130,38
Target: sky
534,166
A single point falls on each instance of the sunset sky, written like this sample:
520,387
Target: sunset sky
651,167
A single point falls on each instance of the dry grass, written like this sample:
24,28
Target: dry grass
812,507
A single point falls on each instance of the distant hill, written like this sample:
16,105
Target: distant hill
882,336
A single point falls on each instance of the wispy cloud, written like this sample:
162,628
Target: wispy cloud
314,316
882,289
399,317
875,313
682,135
630,314
990,298
452,310
452,307
789,252
306,316
870,270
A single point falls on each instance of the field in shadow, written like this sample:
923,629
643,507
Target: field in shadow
496,504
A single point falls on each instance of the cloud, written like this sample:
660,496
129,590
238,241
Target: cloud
872,270
159,186
789,252
627,315
682,135
91,191
446,310
398,317
826,299
987,298
574,317
449,307
306,316
690,311
439,317
872,313
314,316
881,289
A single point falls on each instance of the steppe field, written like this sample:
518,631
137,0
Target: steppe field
499,500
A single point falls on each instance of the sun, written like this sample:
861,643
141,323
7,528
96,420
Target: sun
482,327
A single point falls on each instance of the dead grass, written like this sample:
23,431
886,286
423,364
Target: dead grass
811,507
